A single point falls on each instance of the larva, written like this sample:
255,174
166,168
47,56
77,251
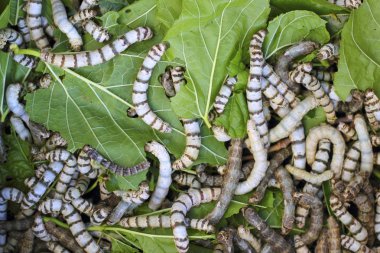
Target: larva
350,243
82,15
77,191
377,216
366,161
104,193
34,22
253,91
260,155
164,179
114,168
100,214
178,77
39,229
201,225
353,225
27,241
287,188
322,245
31,181
74,220
351,162
12,97
245,234
366,215
210,180
301,75
43,83
224,94
14,238
352,4
56,247
17,225
181,206
309,177
277,159
54,141
375,140
272,94
152,221
193,144
220,133
61,21
299,245
323,75
83,206
84,165
48,29
284,143
87,4
231,179
101,55
328,52
348,132
24,30
276,241
118,212
372,108
242,244
355,185
289,123
333,237
186,179
353,106
376,158
21,130
225,239
333,135
267,249
167,82
99,33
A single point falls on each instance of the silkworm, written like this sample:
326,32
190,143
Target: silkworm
101,55
17,225
377,216
151,221
181,206
210,180
220,133
186,179
118,212
54,141
353,225
375,140
12,97
351,162
84,165
77,191
74,220
99,33
24,30
242,244
56,247
322,245
178,77
366,160
224,94
350,243
311,83
326,132
284,143
333,237
328,52
14,238
34,22
48,29
100,214
309,177
276,241
114,168
348,132
167,83
372,108
245,234
366,215
353,4
225,239
82,15
254,94
270,92
260,155
87,4
39,229
39,133
27,241
83,206
323,75
355,185
104,193
353,106
231,179
21,130
164,179
299,245
193,144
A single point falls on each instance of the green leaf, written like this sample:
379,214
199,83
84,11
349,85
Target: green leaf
205,38
168,12
236,65
109,19
292,27
359,58
313,118
335,22
4,17
274,208
125,183
16,11
320,7
111,5
235,116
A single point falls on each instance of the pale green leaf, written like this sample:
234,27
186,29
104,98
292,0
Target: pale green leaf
111,5
313,118
4,17
168,11
16,11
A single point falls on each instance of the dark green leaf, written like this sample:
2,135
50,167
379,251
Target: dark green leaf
321,7
125,183
4,17
274,208
16,11
313,118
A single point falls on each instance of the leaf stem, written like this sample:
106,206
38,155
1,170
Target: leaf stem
93,186
17,50
56,221
205,119
4,115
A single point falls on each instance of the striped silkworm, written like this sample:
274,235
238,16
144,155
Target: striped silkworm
245,234
31,181
366,159
323,75
372,109
82,15
54,141
224,94
100,214
78,190
353,225
34,22
140,88
186,179
43,83
366,215
375,140
352,4
104,193
334,136
87,4
330,91
181,206
48,29
286,185
260,155
39,229
74,220
355,185
225,242
101,55
56,247
220,133
83,206
333,238
302,75
114,168
322,243
164,178
269,235
354,246
24,30
193,144
348,132
276,99
210,180
178,77
299,245
377,216
12,96
100,34
230,182
253,91
353,106
167,82
21,130
84,165
17,225
309,177
62,22
350,162
328,52
14,238
39,133
242,244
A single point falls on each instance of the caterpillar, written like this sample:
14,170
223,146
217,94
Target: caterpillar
210,180
114,168
352,4
299,245
366,161
34,22
12,96
333,237
253,91
377,216
372,108
178,77
55,247
326,132
55,141
31,181
260,155
24,30
101,55
366,215
350,162
17,225
87,4
354,246
181,206
43,83
224,94
27,241
164,179
104,193
82,15
231,179
242,244
301,75
74,220
353,106
39,229
355,185
309,177
61,21
118,212
193,144
375,140
225,242
167,82
353,225
269,235
267,249
99,33
14,237
84,165
100,214
328,52
245,234
77,191
140,87
323,75
276,99
322,245
282,144
186,179
220,133
64,237
330,91
21,130
83,206
48,29
348,132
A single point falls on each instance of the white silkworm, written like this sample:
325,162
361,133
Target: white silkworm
224,94
12,96
193,144
328,51
245,234
164,179
99,33
372,109
24,30
82,15
323,75
99,215
21,130
177,74
350,243
74,220
353,225
260,155
186,179
352,4
48,29
87,4
348,132
39,229
78,190
254,93
299,245
61,21
270,92
366,161
220,133
351,162
118,212
309,177
181,206
34,22
334,136
101,55
55,247
140,87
